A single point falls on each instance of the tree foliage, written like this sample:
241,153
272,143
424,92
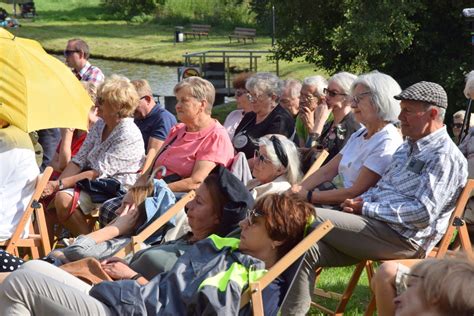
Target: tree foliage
410,40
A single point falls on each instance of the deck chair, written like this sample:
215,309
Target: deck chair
135,244
37,241
317,163
286,267
456,223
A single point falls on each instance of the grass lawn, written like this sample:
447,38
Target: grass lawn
60,20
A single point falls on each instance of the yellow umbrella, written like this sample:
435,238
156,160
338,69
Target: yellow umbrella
37,90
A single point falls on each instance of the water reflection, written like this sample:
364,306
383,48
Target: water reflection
162,79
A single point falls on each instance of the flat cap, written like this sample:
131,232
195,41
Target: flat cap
425,91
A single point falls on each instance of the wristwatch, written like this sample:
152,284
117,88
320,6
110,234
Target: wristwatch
314,136
309,196
60,184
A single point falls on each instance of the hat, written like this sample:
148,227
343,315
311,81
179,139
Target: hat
425,91
239,200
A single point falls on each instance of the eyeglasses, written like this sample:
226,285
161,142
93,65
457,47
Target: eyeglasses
240,92
261,158
68,52
332,93
306,98
252,214
253,99
457,125
358,97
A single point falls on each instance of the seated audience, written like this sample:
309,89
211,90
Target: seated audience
243,104
113,148
276,166
267,117
431,286
208,278
408,210
18,174
192,149
333,135
290,96
311,96
154,121
220,203
368,152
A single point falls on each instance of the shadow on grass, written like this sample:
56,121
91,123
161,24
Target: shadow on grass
92,13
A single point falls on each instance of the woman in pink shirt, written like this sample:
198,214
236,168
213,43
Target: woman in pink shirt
192,149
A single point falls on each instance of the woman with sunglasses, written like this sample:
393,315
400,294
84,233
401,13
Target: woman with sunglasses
368,151
267,116
276,166
209,278
112,149
333,135
243,104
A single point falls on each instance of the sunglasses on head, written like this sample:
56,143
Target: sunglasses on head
252,214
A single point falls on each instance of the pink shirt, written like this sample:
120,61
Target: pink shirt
210,144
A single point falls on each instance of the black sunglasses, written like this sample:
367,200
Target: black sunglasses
68,52
332,93
457,125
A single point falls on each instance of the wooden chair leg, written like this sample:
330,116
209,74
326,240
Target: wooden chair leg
350,288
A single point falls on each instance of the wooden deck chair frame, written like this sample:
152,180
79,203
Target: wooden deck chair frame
253,294
316,164
37,240
137,240
456,223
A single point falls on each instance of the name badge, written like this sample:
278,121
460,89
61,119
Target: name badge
240,141
415,165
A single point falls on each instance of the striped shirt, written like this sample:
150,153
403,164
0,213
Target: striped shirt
418,192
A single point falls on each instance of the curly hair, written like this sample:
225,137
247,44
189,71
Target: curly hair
120,93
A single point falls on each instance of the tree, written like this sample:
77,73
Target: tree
410,40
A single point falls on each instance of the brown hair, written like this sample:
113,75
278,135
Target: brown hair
286,217
241,79
80,45
447,284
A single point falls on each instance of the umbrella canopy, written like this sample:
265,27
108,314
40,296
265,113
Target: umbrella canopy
37,90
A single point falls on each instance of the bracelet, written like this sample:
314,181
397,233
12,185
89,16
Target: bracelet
136,276
60,185
309,196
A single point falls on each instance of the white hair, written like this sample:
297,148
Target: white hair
264,83
293,86
293,170
344,80
316,81
383,88
469,88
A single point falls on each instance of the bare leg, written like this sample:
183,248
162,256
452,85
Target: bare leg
77,222
383,285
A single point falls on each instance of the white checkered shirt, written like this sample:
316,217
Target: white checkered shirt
418,192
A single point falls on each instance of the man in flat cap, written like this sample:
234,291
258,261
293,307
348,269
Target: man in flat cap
407,212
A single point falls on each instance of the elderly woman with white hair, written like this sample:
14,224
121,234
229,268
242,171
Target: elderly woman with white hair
333,135
290,96
276,167
267,117
368,152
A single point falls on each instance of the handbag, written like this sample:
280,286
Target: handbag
101,190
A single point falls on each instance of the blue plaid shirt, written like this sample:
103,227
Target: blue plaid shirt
418,192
